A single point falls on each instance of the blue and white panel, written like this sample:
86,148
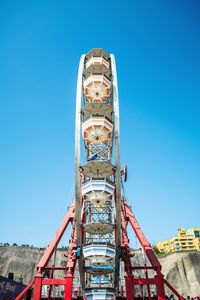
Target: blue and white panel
98,250
100,294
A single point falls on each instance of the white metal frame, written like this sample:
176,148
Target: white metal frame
80,99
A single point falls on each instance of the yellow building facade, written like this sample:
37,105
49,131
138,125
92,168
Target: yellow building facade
185,241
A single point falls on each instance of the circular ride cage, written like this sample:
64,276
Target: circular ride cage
99,263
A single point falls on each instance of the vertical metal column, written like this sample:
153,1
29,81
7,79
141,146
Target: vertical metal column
117,163
68,287
37,286
77,166
160,286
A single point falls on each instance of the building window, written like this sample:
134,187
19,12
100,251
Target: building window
196,233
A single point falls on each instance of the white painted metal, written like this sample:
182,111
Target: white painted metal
77,165
98,250
97,108
92,189
117,160
97,61
100,294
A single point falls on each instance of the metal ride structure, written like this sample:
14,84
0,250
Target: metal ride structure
99,244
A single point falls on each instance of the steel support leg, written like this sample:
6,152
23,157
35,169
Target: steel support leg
160,286
129,287
37,286
68,287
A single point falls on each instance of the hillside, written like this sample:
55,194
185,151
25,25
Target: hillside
182,270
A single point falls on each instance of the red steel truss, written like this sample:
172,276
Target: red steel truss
126,291
158,280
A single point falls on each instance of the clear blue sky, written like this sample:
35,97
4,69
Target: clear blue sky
157,50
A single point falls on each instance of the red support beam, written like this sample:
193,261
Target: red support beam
52,246
37,286
53,281
42,265
141,237
55,268
160,287
130,281
142,281
173,290
68,287
158,280
23,293
129,286
126,257
142,268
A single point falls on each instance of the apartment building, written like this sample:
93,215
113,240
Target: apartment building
184,241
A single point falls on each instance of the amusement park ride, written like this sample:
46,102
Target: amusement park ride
99,248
